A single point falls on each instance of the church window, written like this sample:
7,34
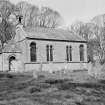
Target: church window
49,52
69,53
81,52
33,52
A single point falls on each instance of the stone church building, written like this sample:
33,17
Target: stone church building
49,49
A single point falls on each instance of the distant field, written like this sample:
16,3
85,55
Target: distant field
18,89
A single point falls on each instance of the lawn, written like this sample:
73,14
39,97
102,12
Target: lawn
19,89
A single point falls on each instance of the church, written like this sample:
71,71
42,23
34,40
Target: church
45,48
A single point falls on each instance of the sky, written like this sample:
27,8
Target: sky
72,10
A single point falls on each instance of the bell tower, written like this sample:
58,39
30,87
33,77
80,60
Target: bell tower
19,19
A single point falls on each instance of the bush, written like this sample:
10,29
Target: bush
9,76
55,81
96,70
102,61
6,75
21,86
44,85
2,75
21,101
41,76
66,86
34,89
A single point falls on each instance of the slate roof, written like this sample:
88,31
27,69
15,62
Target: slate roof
42,33
55,34
11,47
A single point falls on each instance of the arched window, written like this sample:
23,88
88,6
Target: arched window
81,52
11,58
33,52
49,52
69,53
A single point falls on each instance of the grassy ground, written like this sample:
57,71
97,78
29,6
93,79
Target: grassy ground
24,90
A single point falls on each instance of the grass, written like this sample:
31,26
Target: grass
24,90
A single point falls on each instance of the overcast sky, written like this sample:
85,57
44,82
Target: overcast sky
73,10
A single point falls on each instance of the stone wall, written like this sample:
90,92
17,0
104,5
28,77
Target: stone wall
55,67
59,51
59,56
5,57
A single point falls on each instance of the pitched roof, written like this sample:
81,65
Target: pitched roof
12,46
49,33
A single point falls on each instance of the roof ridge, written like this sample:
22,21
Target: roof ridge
51,33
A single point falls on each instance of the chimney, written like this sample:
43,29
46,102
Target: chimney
19,17
19,21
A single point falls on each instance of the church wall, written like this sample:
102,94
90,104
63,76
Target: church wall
59,51
6,56
24,50
0,62
59,56
50,67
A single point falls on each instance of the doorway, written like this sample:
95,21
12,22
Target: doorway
12,58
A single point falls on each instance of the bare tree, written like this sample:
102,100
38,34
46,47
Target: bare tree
6,8
24,10
90,32
7,32
34,16
49,18
6,28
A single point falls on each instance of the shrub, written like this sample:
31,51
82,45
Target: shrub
21,101
102,61
41,76
96,70
2,75
55,81
21,86
64,86
34,89
6,75
44,85
9,76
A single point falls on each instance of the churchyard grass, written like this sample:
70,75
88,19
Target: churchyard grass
19,89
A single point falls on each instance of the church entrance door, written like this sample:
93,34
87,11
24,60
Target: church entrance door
11,60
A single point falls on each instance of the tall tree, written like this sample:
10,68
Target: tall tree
7,32
88,31
24,10
84,30
34,16
6,29
6,8
49,18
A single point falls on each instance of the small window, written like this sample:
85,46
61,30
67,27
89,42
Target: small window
69,53
33,52
49,52
81,52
